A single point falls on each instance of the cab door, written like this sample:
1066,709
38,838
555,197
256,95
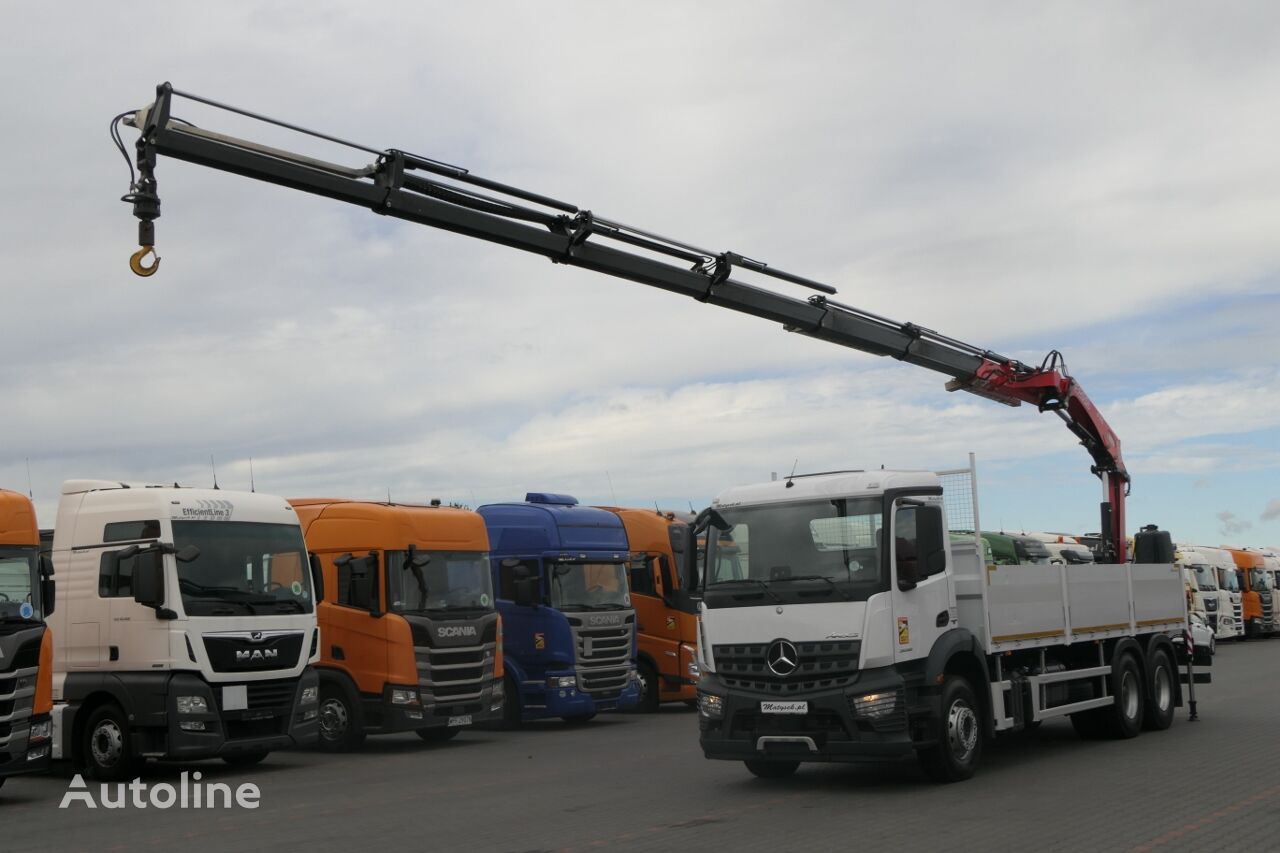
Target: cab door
354,640
923,600
657,628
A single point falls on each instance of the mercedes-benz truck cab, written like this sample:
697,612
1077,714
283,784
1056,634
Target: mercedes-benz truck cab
1202,581
26,644
185,628
569,638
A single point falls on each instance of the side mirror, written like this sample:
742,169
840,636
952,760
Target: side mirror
148,576
526,591
48,591
317,577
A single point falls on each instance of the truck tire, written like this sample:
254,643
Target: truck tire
511,710
1161,678
341,725
767,769
245,759
1124,718
438,734
106,752
958,731
649,688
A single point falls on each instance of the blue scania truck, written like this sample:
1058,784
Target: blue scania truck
569,631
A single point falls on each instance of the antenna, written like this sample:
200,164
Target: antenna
655,508
611,492
388,494
792,475
251,486
31,494
215,471
691,510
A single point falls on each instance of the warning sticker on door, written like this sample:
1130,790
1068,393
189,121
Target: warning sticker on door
904,631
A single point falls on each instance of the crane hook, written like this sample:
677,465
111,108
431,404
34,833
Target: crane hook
136,259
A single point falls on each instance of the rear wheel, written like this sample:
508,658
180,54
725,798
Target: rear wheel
958,731
439,734
341,728
1124,718
108,755
245,759
1161,679
766,769
648,689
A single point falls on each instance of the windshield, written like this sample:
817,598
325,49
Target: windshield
1260,579
1205,579
1031,551
589,586
453,580
1228,580
777,547
243,567
19,593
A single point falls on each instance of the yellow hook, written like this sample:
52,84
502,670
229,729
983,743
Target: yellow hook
135,261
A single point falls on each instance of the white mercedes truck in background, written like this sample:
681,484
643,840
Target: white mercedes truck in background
185,627
845,624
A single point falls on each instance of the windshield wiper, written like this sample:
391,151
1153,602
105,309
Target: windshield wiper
605,605
6,619
297,606
834,587
764,586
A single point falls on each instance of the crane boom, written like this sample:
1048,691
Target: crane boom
430,192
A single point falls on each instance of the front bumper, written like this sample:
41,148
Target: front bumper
382,716
539,701
20,753
271,717
828,732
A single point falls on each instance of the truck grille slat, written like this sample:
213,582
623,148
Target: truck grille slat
603,656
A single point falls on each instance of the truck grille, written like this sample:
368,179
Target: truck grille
822,666
603,656
455,675
17,693
1267,620
264,695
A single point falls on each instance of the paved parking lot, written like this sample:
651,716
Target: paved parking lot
640,783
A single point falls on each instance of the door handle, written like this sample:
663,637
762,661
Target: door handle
943,618
113,652
337,653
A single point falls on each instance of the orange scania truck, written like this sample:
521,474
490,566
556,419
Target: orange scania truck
26,645
666,612
410,639
1255,586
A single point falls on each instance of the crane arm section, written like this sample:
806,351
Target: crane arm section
430,192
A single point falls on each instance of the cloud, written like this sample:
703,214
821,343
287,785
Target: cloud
1231,525
1272,512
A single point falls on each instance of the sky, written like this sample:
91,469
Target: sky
1092,178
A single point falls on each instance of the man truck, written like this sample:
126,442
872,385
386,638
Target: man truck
410,637
185,628
665,605
26,643
569,629
861,630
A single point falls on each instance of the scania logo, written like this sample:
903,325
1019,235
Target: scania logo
604,620
256,655
456,631
782,657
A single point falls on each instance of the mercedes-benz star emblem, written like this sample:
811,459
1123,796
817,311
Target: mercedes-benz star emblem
782,657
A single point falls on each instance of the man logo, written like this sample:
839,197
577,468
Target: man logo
256,636
256,655
782,658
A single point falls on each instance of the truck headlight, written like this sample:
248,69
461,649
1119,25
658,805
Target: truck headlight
310,695
562,681
710,706
42,730
404,697
193,705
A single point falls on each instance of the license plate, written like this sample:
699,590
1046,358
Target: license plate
235,697
464,720
784,707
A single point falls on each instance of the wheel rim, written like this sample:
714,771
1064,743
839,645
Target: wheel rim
107,743
333,719
962,730
1129,695
1164,689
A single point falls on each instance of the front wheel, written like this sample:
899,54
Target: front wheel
648,689
765,769
108,755
439,734
245,759
958,730
341,728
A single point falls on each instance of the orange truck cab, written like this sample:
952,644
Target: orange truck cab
666,611
26,644
1255,587
410,639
